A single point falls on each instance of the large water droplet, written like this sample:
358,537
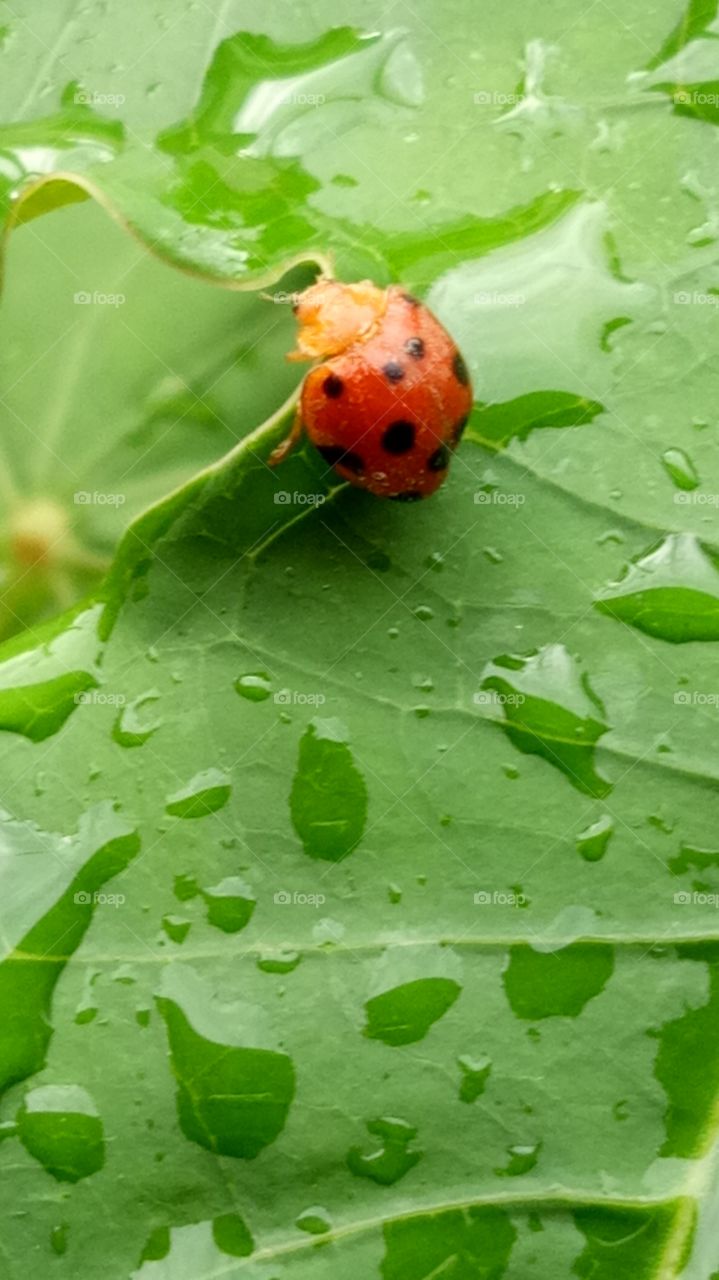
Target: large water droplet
131,728
475,1074
59,1126
282,961
233,1091
671,592
328,802
680,469
315,1220
548,708
393,1159
255,686
49,886
553,984
205,793
41,687
229,904
593,841
176,927
522,1159
402,1011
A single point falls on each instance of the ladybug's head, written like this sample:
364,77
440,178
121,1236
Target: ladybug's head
332,316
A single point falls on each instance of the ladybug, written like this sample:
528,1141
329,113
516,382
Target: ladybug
390,396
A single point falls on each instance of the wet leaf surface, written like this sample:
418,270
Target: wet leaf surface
473,1033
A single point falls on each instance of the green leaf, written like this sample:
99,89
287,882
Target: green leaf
360,869
120,380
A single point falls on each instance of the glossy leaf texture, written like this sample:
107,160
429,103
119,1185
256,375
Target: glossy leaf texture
361,868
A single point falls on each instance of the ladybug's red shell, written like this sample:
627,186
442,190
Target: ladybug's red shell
387,411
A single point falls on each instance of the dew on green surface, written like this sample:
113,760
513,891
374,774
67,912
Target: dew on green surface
547,707
132,727
680,469
233,1091
176,927
255,686
328,801
315,1220
522,1158
556,984
230,904
395,1155
671,592
593,841
475,1074
205,793
47,905
59,1125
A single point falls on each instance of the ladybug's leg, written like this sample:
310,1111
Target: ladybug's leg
288,444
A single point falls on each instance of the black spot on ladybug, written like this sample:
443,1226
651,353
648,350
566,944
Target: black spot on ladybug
399,437
334,455
393,371
295,307
415,348
459,429
409,496
333,386
413,302
439,460
460,369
